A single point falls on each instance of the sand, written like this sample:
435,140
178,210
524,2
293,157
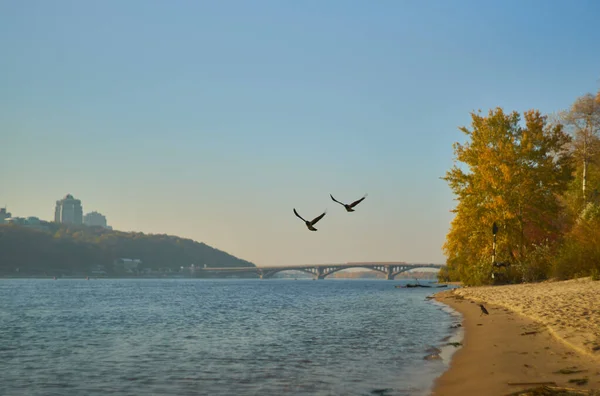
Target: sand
535,333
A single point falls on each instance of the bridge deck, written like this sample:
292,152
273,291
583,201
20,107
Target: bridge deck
344,265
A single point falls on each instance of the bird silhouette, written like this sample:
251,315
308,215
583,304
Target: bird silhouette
349,207
483,310
310,224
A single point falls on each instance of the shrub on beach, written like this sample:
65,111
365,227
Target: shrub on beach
536,266
580,253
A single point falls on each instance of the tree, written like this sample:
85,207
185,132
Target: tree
582,120
76,249
512,175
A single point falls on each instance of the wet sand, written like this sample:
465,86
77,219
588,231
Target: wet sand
509,351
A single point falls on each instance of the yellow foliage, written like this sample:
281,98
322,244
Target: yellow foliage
514,176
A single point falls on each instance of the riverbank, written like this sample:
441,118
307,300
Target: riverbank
534,334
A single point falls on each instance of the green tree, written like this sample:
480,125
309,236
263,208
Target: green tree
510,174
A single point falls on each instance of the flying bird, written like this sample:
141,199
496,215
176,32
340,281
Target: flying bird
311,223
349,207
483,310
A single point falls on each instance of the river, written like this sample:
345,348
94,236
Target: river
218,337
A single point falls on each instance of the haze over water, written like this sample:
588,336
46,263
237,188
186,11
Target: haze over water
229,337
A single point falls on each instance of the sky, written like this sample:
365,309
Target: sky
213,120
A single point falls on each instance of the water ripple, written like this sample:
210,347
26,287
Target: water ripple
196,337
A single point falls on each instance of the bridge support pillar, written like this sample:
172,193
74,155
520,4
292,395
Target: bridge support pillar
320,274
389,271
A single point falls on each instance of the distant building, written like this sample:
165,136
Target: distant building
4,215
32,222
95,219
15,220
68,211
98,270
126,264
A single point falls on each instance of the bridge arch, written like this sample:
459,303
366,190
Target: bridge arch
265,274
405,269
333,270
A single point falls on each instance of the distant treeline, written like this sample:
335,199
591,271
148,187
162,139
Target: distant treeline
66,249
538,179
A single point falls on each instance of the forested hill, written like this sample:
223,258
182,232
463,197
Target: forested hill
78,249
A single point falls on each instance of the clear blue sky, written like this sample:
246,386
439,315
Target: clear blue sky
212,120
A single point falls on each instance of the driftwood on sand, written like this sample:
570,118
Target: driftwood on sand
547,390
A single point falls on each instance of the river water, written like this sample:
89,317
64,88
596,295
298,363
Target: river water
218,337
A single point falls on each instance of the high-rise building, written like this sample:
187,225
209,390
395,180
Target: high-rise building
95,219
4,215
68,211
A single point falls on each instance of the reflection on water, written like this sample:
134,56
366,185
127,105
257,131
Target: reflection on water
226,337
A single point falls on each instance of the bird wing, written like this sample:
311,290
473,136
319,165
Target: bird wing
335,199
353,204
296,213
316,219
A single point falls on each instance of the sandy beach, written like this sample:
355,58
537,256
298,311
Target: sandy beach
535,334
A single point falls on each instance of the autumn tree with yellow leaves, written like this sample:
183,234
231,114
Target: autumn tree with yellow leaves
511,173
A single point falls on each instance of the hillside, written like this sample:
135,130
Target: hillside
71,249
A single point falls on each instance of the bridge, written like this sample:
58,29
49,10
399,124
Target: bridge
320,271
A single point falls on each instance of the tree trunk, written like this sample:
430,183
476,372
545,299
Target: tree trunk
585,163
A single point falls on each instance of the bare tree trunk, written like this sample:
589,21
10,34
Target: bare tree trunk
584,179
521,233
585,164
588,134
583,119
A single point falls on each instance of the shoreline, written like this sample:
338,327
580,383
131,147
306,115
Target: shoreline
507,352
446,347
